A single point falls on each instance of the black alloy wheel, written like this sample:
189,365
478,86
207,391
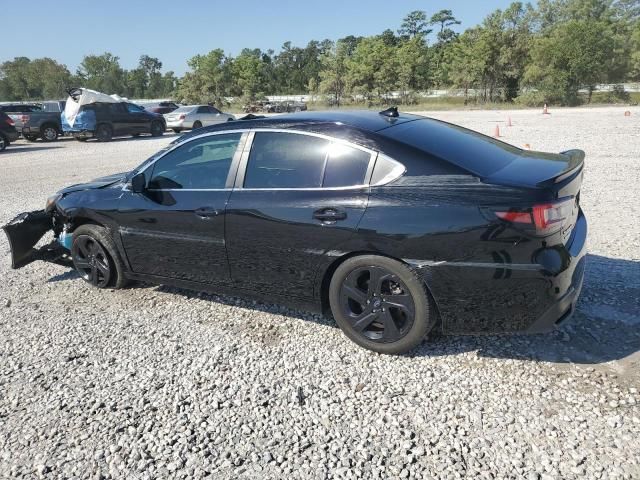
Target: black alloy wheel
156,129
381,304
377,303
49,134
91,261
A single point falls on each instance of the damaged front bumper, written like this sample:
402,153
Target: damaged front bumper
25,231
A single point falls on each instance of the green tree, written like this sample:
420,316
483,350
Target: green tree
208,81
333,75
372,69
415,24
103,73
572,56
248,72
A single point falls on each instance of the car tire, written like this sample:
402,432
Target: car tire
197,124
96,258
49,133
156,129
392,317
4,143
104,133
177,130
30,138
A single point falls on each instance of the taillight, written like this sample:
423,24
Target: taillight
545,217
183,116
24,118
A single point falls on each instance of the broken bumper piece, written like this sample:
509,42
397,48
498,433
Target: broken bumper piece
24,232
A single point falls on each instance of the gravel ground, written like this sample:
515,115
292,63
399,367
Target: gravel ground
155,382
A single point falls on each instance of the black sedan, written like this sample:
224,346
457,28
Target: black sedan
396,223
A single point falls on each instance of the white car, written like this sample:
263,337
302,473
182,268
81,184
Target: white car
195,116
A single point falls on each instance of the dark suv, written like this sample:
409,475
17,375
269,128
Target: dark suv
8,132
104,121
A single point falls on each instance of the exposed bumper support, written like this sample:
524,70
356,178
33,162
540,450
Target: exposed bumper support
24,232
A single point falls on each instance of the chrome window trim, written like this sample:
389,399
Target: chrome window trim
249,143
241,158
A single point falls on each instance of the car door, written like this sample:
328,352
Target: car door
297,198
176,228
216,116
139,120
202,115
119,118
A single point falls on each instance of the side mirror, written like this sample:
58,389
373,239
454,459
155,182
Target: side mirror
138,183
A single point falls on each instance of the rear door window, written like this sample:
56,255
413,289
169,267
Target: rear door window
286,160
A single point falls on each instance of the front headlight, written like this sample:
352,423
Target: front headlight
51,202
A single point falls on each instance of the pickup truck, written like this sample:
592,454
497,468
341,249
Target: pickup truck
19,112
45,124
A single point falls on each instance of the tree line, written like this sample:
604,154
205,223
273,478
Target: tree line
523,53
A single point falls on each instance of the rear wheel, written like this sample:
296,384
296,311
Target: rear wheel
380,304
156,129
49,133
104,133
96,257
197,124
177,130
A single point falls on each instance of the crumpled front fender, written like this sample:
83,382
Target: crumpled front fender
24,232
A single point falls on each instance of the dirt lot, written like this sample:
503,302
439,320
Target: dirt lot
154,382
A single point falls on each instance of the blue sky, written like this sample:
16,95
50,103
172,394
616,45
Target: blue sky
176,30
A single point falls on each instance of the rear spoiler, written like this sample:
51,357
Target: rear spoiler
575,165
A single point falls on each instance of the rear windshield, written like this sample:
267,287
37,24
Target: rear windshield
465,148
183,110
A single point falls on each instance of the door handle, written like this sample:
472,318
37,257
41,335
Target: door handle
207,212
329,215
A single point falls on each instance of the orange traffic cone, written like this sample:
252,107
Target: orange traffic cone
545,110
509,124
496,132
627,113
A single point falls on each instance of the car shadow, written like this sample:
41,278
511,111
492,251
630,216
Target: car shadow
604,328
22,149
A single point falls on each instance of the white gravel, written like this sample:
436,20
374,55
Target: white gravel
153,382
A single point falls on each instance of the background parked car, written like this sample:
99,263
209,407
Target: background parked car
107,120
195,116
162,107
8,132
45,124
17,112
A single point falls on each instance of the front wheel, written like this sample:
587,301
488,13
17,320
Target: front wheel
96,257
381,304
157,129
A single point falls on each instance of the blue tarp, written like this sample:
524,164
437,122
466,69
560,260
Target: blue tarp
85,120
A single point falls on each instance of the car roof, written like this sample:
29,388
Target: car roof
364,120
